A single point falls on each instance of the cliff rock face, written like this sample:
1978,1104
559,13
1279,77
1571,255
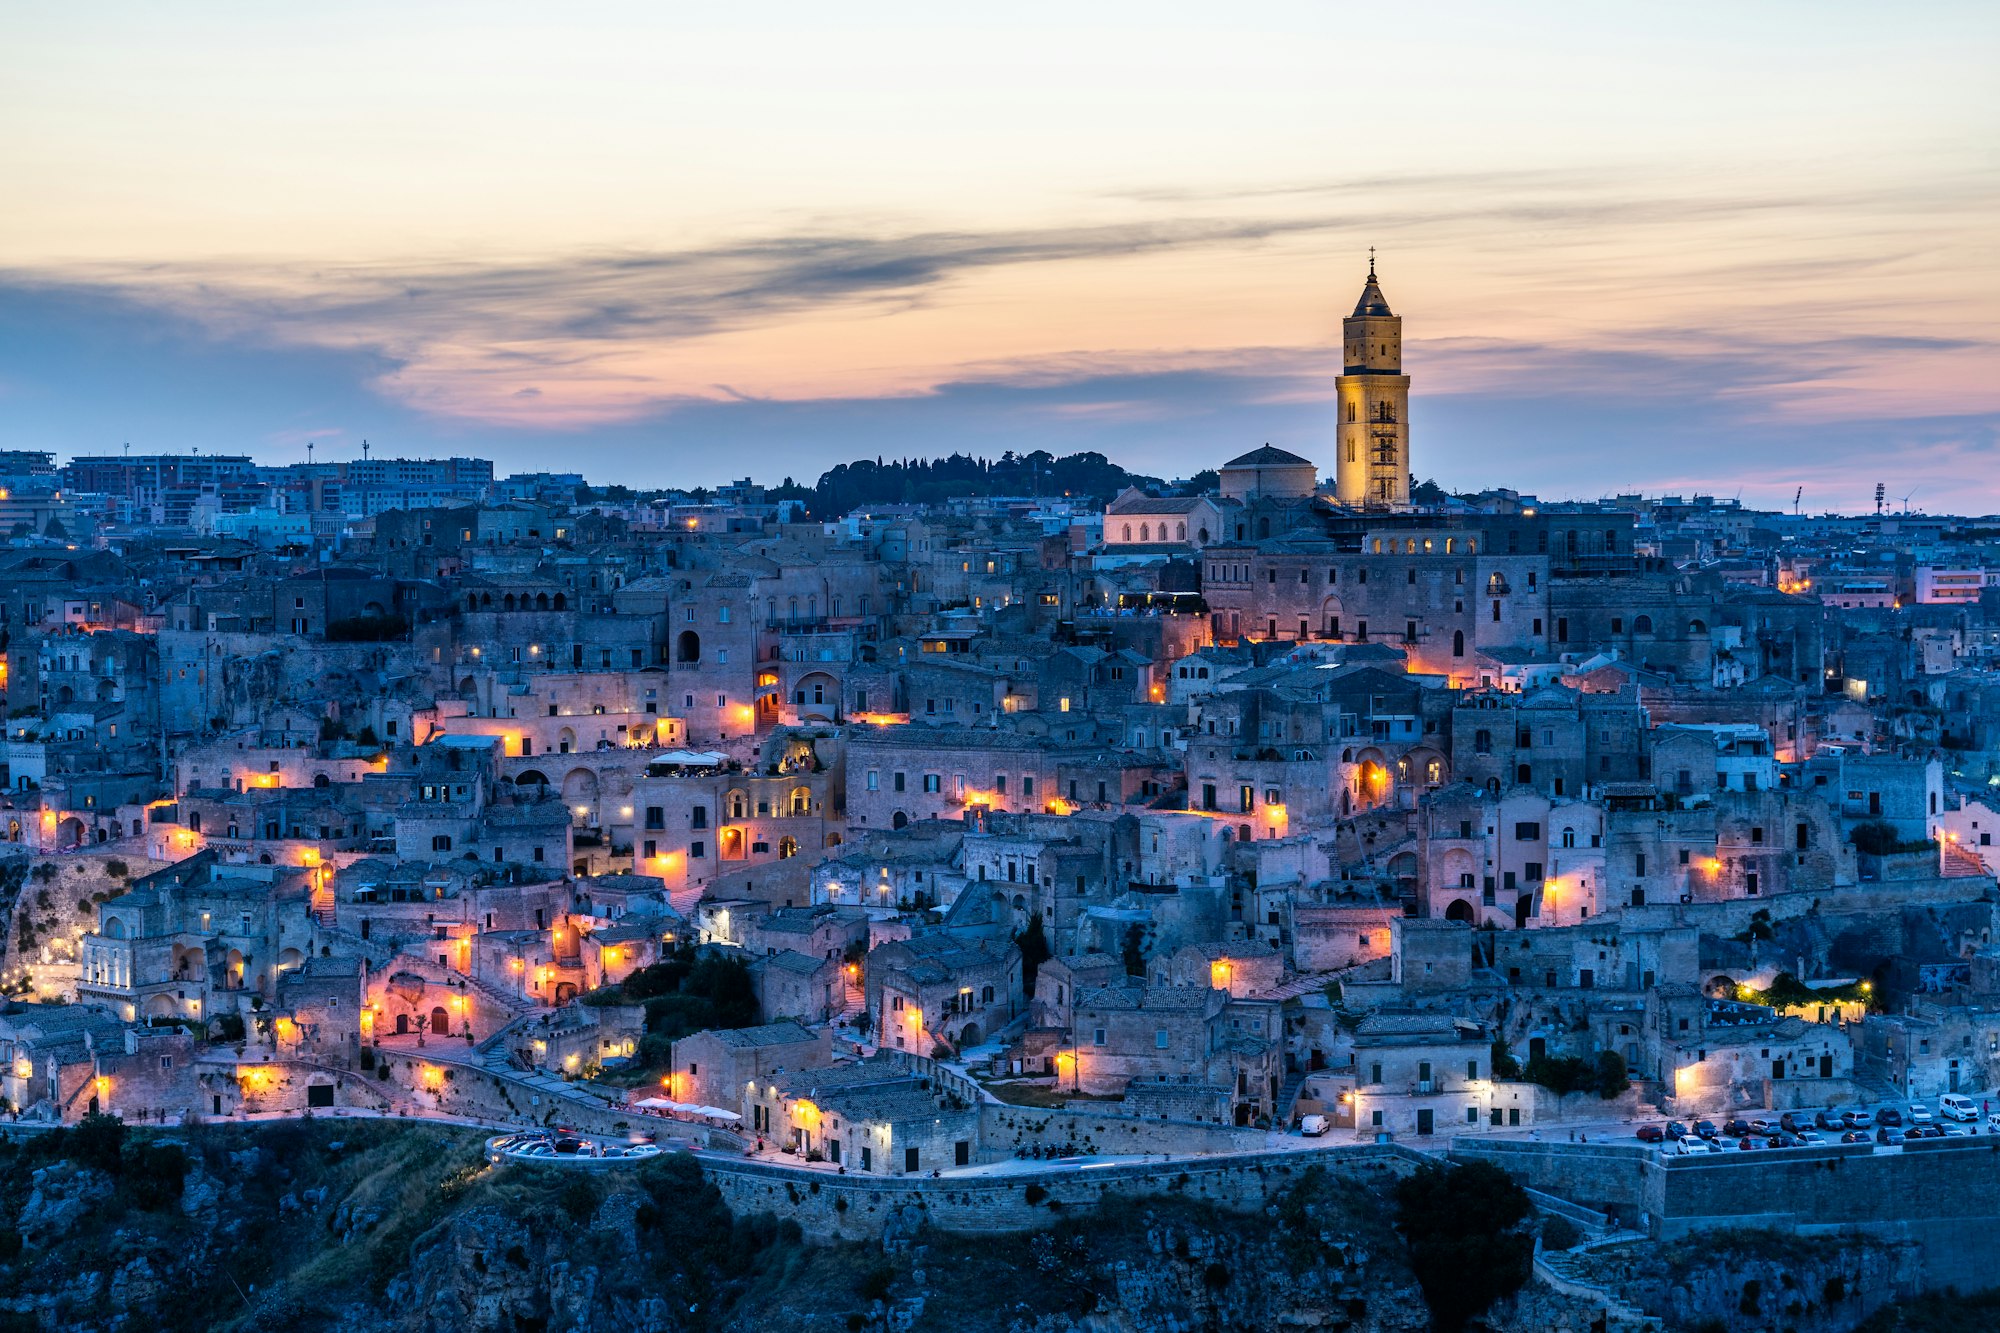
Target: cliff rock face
389,1228
1749,1281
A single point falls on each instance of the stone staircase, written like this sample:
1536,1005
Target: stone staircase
1874,1087
1564,1271
1288,1096
1959,862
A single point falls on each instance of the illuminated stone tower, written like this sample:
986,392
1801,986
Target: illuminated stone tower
1373,470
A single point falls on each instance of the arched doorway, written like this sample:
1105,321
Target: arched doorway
1459,910
688,647
402,1025
580,793
440,1021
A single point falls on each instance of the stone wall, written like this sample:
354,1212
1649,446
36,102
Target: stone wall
828,1206
1004,1128
1942,1195
1733,917
1608,1178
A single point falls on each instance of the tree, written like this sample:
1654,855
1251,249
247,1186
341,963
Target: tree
1469,1242
1034,947
1612,1078
1134,952
1504,1063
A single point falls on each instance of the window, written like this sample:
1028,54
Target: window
1527,833
1160,1039
933,782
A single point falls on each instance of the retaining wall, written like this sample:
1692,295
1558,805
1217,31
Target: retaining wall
1941,1194
828,1206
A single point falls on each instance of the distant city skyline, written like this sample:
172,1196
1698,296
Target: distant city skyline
1633,251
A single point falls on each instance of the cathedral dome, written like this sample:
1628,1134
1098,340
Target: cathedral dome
1269,473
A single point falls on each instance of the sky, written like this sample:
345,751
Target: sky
1726,248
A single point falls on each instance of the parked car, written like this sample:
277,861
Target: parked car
1691,1146
1765,1127
1859,1118
1828,1120
1704,1129
1854,1136
1925,1132
1676,1130
1888,1115
1889,1136
1789,1122
1956,1106
1312,1126
1809,1138
1919,1114
1748,1144
1651,1133
1737,1128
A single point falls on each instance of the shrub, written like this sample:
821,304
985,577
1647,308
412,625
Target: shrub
1559,1233
98,1141
1562,1074
876,1283
155,1174
1034,1194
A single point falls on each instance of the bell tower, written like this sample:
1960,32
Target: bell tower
1373,400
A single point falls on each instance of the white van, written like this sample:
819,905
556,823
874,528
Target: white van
1312,1126
1952,1106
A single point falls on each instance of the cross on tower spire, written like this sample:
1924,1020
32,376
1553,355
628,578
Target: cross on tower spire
1371,261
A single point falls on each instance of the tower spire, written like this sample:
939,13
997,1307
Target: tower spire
1371,261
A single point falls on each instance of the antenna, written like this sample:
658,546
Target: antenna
1878,499
309,453
1796,497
